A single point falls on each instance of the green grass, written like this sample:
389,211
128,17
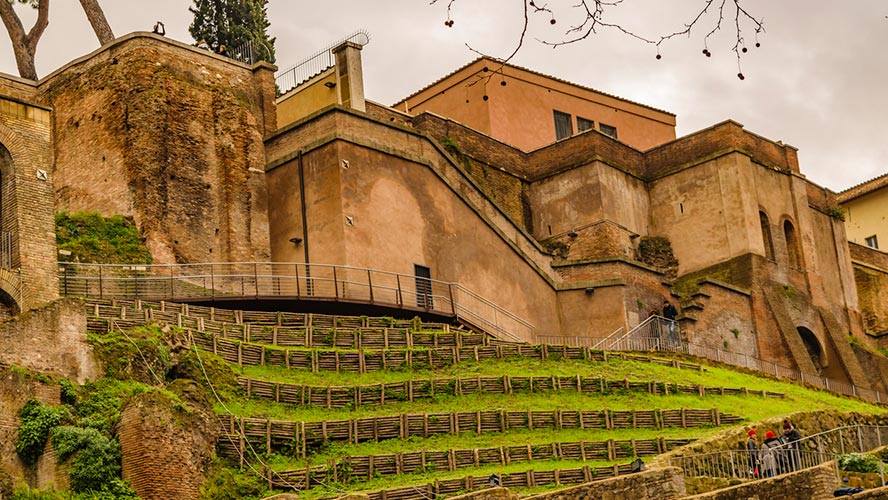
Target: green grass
393,482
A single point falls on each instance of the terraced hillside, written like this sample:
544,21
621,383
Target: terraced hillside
402,409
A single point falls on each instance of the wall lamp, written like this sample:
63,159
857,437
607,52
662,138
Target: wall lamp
295,240
590,290
329,85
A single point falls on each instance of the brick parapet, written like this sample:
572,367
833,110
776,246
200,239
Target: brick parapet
869,256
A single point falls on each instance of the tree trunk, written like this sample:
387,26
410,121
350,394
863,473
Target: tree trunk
97,19
24,46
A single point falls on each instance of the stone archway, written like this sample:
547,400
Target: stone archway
812,345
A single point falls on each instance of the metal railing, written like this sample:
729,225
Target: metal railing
250,52
653,334
291,77
809,451
264,280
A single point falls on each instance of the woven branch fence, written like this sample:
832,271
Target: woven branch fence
446,487
289,329
411,390
364,467
297,438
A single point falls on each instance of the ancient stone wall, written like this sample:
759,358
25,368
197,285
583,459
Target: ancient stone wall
817,483
27,214
662,484
170,135
16,388
871,278
165,453
50,340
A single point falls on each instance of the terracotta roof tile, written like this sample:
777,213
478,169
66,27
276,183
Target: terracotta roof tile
863,188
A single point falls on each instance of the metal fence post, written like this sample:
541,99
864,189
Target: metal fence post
370,285
335,284
101,284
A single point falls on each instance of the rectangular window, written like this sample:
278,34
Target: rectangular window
563,125
584,124
608,130
423,277
872,242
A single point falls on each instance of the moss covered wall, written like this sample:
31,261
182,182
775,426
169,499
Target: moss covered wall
170,135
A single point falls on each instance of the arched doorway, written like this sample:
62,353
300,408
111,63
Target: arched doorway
812,345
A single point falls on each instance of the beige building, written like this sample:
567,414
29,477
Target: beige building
866,213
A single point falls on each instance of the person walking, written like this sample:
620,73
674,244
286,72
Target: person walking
670,313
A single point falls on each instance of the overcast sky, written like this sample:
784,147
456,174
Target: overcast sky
818,82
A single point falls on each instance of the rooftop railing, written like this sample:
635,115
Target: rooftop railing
291,77
270,280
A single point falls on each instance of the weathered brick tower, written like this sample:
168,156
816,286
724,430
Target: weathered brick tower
28,275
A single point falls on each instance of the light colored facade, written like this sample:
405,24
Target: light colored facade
866,213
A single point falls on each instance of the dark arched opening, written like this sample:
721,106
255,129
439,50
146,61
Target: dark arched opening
792,245
8,258
766,235
812,345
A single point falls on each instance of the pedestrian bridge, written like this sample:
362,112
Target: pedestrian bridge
281,285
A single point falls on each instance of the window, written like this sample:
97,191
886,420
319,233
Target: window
872,242
584,124
608,130
563,125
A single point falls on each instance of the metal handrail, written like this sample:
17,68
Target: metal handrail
616,332
295,75
219,280
807,452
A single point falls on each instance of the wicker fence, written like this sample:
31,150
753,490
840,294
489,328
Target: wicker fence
363,467
411,390
447,487
298,438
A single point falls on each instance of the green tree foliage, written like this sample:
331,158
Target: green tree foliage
104,240
233,23
95,468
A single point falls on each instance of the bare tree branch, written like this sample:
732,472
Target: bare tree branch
97,20
710,17
24,46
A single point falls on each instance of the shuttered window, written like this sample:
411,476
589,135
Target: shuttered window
563,125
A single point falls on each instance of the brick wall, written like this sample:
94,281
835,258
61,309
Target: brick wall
27,208
165,454
51,340
662,484
170,135
16,388
817,483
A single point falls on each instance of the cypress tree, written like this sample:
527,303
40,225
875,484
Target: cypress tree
233,23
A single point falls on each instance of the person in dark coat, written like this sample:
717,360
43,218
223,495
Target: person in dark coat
670,313
753,451
791,436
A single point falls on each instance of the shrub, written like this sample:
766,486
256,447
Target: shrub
96,459
90,237
37,419
858,462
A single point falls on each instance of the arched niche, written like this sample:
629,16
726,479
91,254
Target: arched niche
812,345
793,252
766,235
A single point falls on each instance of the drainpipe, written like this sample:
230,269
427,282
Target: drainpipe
304,215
